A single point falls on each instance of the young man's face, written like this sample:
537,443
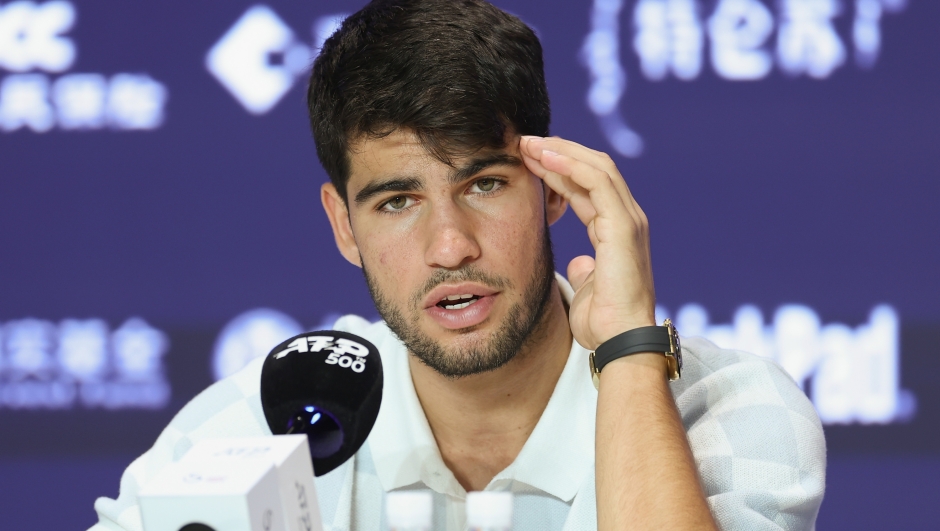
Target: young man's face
457,259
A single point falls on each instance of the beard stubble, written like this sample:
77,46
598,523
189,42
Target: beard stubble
520,326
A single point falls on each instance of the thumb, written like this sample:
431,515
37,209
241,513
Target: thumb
579,269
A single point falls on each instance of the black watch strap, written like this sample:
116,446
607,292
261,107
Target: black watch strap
643,339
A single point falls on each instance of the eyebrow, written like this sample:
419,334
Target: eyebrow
475,166
380,186
411,184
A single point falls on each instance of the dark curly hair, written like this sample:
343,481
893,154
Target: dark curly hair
459,74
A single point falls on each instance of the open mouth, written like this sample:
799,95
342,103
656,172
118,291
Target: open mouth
455,307
457,302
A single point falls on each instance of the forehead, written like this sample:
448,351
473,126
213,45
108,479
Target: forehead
401,152
398,150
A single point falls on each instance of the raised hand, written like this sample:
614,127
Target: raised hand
614,289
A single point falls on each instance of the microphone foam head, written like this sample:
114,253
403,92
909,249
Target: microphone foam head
327,384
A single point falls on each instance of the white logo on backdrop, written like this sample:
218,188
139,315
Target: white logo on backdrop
249,336
253,334
49,366
852,374
32,37
259,59
670,38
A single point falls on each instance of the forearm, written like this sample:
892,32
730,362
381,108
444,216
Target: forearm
646,476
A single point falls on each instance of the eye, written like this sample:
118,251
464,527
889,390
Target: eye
487,185
397,204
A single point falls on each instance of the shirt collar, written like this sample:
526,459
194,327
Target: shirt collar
555,459
403,448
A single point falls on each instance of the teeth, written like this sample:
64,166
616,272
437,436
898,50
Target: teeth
459,306
457,297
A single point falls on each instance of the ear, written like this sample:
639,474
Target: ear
555,204
338,214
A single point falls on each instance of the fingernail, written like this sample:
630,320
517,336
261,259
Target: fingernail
531,138
550,152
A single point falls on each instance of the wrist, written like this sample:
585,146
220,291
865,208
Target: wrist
648,346
647,366
636,362
625,326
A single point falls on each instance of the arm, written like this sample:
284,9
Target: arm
646,476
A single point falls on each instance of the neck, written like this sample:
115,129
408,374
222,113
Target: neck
481,422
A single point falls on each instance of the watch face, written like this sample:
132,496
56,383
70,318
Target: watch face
675,335
673,358
595,375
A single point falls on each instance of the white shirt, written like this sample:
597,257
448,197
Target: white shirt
756,439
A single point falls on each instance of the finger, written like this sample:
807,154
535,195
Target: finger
579,269
599,186
593,199
600,160
533,146
575,195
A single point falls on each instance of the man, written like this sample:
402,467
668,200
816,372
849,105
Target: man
431,118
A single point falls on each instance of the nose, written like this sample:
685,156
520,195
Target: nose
451,237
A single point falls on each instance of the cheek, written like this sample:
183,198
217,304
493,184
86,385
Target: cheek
515,233
389,258
507,235
392,261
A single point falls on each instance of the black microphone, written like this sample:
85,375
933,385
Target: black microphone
328,385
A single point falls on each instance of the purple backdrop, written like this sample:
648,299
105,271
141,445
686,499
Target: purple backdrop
152,191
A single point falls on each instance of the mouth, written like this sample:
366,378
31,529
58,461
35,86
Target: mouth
457,296
458,302
460,306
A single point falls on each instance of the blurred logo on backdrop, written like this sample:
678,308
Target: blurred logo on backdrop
40,94
44,365
253,334
259,58
852,375
678,37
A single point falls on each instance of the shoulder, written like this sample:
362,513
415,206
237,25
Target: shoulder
716,379
741,391
755,436
228,408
